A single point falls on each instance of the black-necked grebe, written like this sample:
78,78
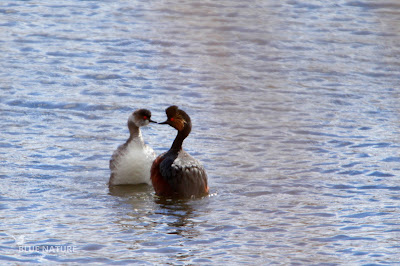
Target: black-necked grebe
130,164
176,174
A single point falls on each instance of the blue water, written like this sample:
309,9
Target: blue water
295,111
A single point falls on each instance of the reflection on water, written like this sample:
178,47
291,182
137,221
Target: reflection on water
295,116
127,191
183,213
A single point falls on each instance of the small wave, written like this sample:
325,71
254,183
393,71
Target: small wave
101,76
60,105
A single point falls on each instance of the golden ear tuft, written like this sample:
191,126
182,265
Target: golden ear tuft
179,123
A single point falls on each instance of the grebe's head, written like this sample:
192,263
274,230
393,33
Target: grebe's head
141,117
177,118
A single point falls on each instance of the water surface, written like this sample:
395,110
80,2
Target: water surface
295,111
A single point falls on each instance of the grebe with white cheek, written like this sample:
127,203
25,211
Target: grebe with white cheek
130,164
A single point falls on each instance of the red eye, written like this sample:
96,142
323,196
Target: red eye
144,117
171,119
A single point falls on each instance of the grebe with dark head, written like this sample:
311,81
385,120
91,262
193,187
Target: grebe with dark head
176,174
130,164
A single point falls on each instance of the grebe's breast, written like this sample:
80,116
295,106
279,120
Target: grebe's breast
131,163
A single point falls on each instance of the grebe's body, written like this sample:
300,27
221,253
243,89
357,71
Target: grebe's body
176,174
130,164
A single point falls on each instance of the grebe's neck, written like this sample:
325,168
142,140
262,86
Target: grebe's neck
180,137
134,131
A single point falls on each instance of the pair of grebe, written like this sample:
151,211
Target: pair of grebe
173,174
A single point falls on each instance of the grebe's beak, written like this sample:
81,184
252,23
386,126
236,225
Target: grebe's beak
152,121
166,122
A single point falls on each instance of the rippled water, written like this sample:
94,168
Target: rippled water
295,106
